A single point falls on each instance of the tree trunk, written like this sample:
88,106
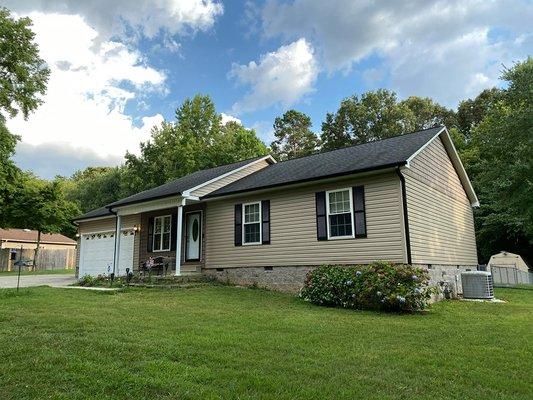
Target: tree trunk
36,250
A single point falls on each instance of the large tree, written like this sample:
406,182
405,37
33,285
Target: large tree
378,115
23,78
472,111
195,140
294,137
95,187
501,167
23,74
426,113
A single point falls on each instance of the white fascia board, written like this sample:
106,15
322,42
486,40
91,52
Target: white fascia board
146,206
93,219
456,161
408,162
187,193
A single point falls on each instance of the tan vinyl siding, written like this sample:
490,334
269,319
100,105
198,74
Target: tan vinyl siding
441,222
230,178
293,229
98,225
77,261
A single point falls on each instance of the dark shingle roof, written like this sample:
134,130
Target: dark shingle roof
99,212
179,185
364,157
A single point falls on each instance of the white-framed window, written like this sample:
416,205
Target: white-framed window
339,208
162,228
251,223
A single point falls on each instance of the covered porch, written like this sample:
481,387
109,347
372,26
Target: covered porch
169,239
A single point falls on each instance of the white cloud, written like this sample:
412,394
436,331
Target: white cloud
229,118
283,76
435,48
84,105
145,17
51,159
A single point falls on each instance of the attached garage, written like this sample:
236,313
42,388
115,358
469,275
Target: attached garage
97,252
96,246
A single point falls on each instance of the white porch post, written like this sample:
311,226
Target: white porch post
117,245
178,237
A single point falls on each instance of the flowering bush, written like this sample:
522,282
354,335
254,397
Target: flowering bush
378,286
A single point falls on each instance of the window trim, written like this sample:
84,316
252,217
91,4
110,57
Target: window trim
244,242
352,236
161,217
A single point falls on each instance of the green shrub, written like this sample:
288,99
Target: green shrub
87,280
378,286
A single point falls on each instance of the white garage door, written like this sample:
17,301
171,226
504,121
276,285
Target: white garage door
97,253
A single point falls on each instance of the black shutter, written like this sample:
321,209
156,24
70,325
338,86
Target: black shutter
358,193
321,223
150,234
173,231
238,224
265,221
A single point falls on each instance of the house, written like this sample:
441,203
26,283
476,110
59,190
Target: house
508,260
55,250
406,199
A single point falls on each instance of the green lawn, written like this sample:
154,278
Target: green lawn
38,272
225,342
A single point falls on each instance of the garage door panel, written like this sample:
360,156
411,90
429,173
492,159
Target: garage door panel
126,252
97,253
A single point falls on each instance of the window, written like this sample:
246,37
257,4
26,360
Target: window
161,240
340,214
251,221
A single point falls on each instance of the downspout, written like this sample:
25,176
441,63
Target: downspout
405,216
116,238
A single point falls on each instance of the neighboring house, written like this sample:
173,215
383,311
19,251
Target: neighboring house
405,199
508,260
56,251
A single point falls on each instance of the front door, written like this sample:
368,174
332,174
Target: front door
193,224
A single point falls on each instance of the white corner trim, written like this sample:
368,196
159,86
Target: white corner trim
187,193
456,162
408,162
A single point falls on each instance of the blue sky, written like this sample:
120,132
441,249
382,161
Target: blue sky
120,67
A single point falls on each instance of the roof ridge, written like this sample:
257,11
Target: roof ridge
362,144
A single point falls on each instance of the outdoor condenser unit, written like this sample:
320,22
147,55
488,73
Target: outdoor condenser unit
477,285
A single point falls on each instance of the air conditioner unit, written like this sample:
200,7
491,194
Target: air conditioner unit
477,285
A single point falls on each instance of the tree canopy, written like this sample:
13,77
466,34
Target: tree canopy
23,74
23,78
196,140
294,137
500,165
378,115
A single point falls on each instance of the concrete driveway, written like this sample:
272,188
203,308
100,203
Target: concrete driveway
37,280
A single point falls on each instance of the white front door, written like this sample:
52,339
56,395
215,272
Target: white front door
193,224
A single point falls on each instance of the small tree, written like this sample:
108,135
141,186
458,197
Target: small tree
294,137
40,205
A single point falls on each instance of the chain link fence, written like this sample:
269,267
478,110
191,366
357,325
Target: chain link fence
510,276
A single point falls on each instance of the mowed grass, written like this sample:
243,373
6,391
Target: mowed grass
232,343
38,272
